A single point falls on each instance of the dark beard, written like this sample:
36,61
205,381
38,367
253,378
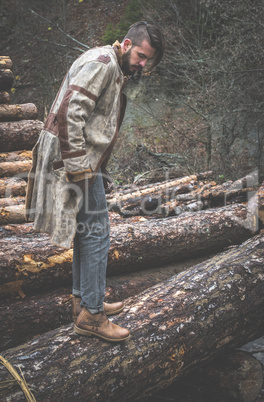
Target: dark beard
126,67
136,76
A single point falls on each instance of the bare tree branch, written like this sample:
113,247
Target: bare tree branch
61,30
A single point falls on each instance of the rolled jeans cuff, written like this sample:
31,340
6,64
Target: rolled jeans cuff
76,292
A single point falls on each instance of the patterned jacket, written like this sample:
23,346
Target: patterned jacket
76,141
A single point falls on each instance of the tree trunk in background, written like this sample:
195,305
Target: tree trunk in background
175,327
23,134
27,111
35,263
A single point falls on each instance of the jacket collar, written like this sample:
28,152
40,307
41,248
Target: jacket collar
117,48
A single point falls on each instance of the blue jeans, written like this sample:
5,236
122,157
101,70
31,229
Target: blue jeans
91,245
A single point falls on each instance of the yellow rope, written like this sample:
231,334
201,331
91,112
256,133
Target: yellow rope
21,381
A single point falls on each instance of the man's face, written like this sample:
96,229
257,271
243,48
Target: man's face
136,57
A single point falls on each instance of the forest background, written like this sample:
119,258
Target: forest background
202,107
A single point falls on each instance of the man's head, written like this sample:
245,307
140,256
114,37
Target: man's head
142,43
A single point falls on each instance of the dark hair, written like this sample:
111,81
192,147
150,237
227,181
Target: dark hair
152,33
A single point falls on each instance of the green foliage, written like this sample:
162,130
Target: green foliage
133,13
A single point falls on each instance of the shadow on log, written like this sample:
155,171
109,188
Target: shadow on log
233,377
6,79
175,327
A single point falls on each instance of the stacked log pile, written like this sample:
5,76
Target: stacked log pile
19,130
178,321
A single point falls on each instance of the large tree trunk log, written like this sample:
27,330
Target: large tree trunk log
12,187
35,263
5,62
19,135
8,169
4,98
27,111
236,376
175,326
6,79
52,309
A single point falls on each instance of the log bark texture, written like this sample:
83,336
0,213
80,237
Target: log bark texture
6,79
9,169
12,214
25,111
23,134
12,187
175,326
31,260
47,311
5,202
4,98
15,156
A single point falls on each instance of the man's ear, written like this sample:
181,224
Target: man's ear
127,44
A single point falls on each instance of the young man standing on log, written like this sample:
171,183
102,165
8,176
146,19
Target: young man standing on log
68,180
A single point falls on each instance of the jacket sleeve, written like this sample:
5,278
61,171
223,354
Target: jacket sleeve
78,103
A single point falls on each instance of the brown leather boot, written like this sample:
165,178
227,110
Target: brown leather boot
99,325
113,308
109,308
